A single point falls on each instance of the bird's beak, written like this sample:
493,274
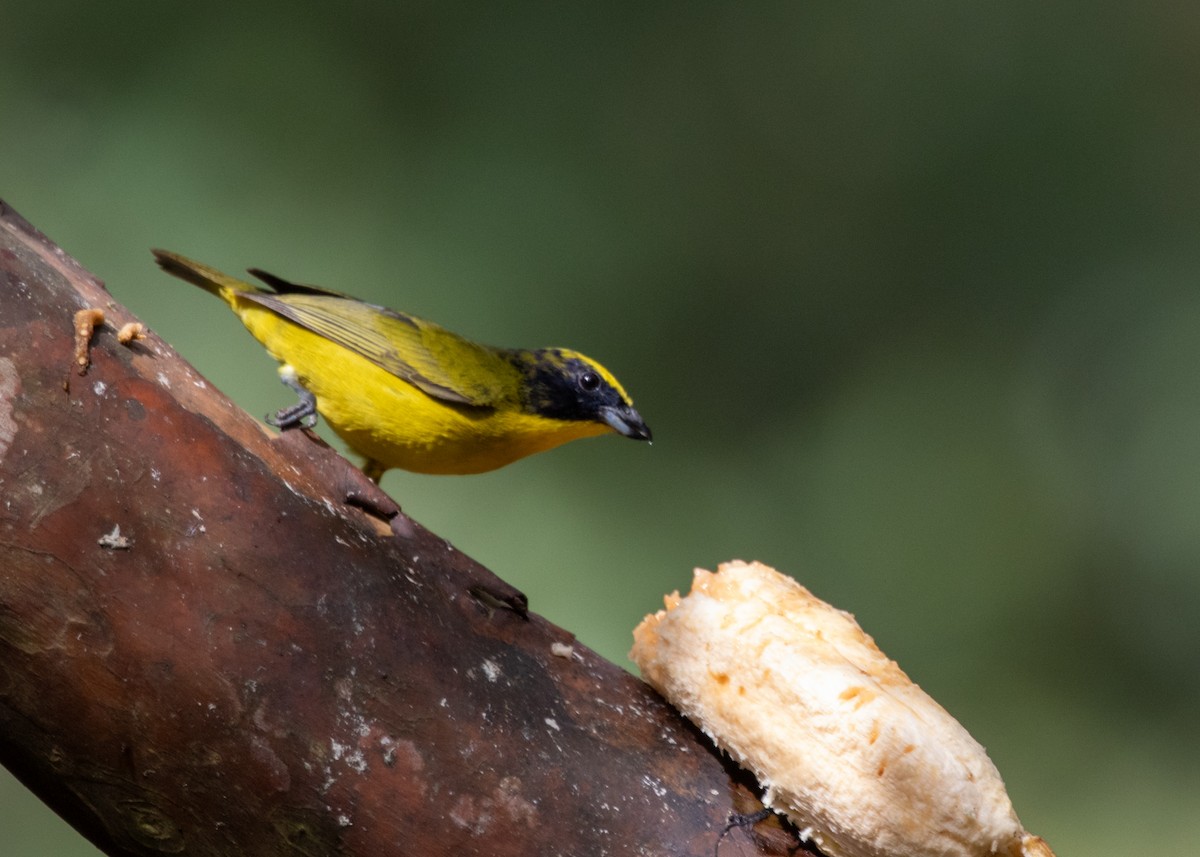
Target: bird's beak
625,420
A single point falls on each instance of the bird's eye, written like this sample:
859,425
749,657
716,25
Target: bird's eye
589,381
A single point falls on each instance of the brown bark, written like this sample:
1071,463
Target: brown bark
254,666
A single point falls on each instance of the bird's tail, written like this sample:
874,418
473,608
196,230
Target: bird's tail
210,279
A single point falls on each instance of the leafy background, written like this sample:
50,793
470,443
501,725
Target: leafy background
907,292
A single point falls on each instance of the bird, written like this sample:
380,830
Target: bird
407,393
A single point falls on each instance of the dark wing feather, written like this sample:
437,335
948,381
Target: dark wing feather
287,287
431,358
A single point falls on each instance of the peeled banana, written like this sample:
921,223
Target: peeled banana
862,761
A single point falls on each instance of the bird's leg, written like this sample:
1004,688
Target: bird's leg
303,413
374,470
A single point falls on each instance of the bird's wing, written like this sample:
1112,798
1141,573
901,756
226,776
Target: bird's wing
441,363
287,287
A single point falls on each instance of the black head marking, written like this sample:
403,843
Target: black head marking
565,387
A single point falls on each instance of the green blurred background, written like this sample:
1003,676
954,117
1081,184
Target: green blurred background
910,295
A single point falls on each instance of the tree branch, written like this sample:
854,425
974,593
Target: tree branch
254,666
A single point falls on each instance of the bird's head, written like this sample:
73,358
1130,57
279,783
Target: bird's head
566,385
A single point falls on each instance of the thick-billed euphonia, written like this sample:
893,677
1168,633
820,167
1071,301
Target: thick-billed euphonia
404,392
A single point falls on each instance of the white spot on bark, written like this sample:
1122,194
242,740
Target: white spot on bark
9,385
113,540
491,670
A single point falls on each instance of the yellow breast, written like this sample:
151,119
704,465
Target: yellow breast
392,422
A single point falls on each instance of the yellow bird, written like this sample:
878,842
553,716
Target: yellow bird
407,393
